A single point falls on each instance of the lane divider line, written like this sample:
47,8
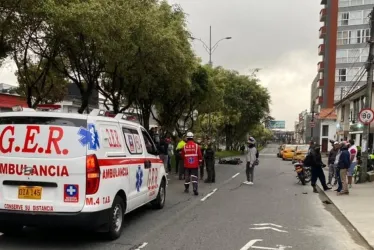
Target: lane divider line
142,246
208,195
235,175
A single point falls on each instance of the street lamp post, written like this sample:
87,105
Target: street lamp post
210,49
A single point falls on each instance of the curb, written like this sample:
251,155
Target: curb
349,222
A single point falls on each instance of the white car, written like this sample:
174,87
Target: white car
75,170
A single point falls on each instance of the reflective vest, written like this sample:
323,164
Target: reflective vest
191,154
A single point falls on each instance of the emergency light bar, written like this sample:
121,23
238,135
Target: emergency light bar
97,112
121,116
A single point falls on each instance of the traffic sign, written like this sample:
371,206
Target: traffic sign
366,116
312,124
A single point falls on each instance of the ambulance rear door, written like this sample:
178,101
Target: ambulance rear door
43,161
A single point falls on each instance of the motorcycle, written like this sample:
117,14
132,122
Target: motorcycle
304,173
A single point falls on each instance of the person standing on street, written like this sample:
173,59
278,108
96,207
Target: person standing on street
203,163
170,153
315,161
180,164
343,166
191,154
353,158
251,160
331,162
209,158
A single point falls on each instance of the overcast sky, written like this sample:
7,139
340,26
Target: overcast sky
279,36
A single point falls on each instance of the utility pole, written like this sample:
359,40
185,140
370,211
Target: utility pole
369,86
311,122
210,49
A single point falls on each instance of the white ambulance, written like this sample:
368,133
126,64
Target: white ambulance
64,169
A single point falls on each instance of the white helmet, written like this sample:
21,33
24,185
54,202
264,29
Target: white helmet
189,135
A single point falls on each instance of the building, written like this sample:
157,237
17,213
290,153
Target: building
327,123
7,101
348,125
345,31
306,129
314,92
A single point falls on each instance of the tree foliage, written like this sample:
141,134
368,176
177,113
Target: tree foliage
136,53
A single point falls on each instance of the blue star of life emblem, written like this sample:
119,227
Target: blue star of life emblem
139,178
191,160
89,136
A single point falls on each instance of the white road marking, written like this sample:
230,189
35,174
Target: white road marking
250,245
267,224
142,246
272,228
235,175
208,195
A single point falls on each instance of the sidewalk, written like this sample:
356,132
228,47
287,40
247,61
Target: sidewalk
357,207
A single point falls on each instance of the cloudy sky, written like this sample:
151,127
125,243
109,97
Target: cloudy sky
278,36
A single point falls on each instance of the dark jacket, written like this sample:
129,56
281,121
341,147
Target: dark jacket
332,156
209,154
344,159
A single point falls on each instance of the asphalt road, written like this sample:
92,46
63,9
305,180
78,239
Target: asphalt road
223,220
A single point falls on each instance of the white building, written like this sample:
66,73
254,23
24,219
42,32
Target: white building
348,124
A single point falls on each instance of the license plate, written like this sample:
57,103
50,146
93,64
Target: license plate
299,170
30,193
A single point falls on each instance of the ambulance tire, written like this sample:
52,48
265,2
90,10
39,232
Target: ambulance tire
11,230
159,202
115,222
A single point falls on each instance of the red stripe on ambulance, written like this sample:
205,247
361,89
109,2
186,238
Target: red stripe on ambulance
125,161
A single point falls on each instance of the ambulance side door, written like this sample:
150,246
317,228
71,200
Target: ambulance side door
152,164
137,171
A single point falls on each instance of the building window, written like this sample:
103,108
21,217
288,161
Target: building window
353,36
347,74
348,3
353,17
352,55
325,130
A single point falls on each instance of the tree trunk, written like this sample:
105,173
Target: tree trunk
85,97
146,115
228,133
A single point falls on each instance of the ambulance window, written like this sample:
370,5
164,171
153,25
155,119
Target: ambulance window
132,140
68,122
150,146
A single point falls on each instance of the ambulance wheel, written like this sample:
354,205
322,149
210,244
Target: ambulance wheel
11,230
159,202
116,218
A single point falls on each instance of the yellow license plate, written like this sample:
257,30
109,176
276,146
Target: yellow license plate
30,193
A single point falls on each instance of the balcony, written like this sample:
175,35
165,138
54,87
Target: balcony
322,32
323,2
321,66
321,49
322,15
319,100
320,83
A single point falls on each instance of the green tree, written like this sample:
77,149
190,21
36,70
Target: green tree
41,86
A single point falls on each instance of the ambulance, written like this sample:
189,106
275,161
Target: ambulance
74,170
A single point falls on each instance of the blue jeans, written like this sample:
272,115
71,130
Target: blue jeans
340,184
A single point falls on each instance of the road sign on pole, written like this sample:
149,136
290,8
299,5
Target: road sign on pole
366,116
312,124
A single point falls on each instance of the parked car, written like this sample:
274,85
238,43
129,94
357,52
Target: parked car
301,151
288,152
